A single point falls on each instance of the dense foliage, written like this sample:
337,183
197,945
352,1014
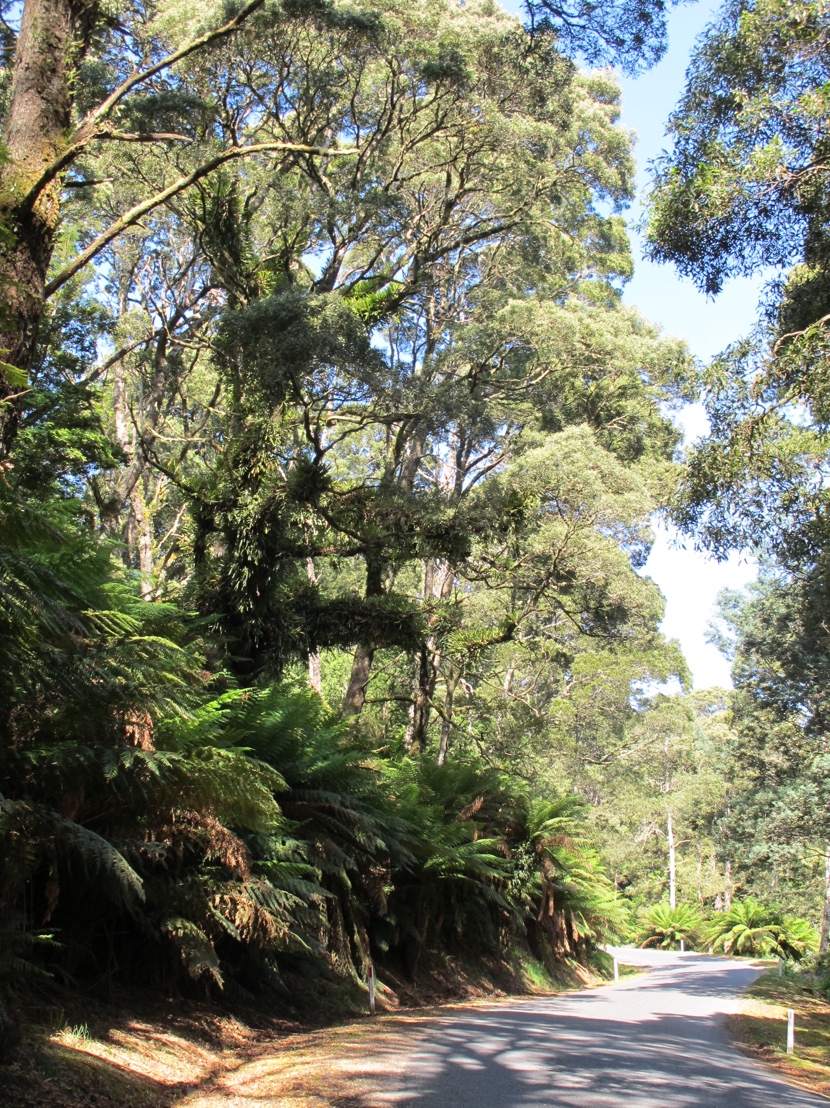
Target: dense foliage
751,928
747,927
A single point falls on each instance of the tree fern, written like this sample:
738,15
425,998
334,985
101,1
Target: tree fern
665,927
558,884
750,927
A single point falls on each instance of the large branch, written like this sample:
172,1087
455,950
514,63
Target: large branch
799,334
69,154
87,130
130,218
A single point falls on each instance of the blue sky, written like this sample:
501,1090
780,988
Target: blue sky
689,580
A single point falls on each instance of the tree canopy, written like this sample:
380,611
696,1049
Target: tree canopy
743,191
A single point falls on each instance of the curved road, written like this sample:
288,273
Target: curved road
654,1041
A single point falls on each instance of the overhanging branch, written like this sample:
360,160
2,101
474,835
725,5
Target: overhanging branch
130,218
89,121
88,130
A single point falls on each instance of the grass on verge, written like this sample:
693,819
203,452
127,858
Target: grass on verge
761,1028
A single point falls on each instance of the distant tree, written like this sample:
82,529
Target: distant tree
778,779
744,189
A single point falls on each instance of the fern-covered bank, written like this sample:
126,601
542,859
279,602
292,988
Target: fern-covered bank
246,844
254,848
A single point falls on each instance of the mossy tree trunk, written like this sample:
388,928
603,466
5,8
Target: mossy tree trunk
53,35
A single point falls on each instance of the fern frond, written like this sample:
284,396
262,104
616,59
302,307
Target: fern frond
193,947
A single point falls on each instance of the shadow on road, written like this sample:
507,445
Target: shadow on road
655,1042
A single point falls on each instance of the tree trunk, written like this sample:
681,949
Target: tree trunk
355,696
135,431
409,733
315,677
727,890
364,653
437,585
446,727
699,877
144,541
824,943
425,678
672,862
53,35
717,903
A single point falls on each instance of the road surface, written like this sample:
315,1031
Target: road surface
652,1041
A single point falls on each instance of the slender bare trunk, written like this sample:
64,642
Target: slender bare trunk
727,890
699,877
717,904
446,726
672,862
824,943
144,541
409,734
315,677
426,679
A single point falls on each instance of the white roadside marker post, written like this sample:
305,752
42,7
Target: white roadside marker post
371,989
616,969
682,946
790,1031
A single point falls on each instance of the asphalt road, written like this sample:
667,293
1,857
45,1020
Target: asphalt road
653,1041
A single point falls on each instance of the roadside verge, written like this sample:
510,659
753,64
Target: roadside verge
760,1029
193,1056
